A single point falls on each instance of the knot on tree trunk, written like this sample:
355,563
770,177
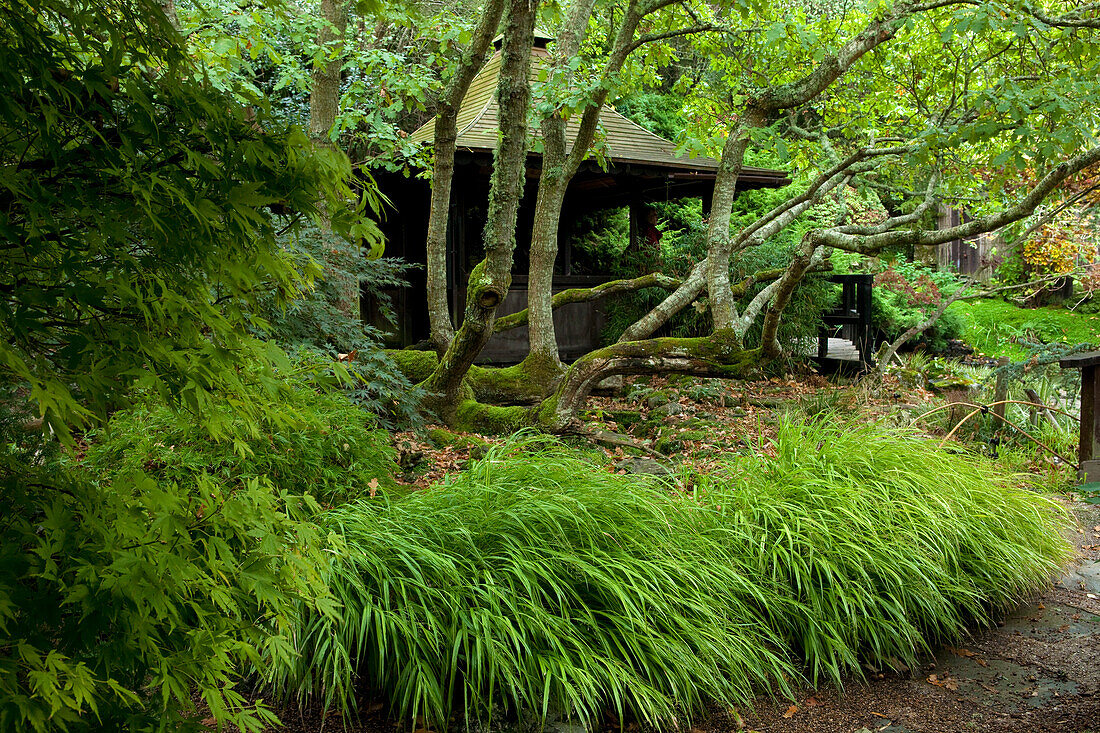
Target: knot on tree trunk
489,298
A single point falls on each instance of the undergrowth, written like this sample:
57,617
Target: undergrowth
997,328
543,584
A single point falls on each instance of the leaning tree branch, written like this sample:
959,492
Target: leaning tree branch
587,295
717,355
872,244
921,327
901,220
760,229
654,37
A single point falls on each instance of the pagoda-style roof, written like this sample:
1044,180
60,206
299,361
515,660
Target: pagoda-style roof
623,141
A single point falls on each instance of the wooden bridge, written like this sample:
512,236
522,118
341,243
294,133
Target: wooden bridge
846,336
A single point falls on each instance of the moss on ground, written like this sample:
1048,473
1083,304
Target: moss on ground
995,327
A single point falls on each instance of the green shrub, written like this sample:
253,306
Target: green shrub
124,597
541,582
332,452
905,295
888,544
312,322
166,563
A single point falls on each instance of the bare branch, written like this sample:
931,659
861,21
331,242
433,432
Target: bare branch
991,222
587,295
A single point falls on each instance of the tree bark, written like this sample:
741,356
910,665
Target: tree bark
682,297
491,278
558,168
718,355
809,252
587,295
324,106
443,149
719,244
553,182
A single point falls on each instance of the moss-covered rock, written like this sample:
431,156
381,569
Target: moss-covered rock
668,445
656,399
625,419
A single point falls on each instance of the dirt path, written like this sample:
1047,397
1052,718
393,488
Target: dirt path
1039,671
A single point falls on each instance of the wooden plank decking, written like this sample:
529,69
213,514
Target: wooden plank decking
839,349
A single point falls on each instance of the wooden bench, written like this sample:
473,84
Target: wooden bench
1088,450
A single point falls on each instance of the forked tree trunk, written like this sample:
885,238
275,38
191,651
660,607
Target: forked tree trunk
443,147
491,278
559,165
543,360
719,243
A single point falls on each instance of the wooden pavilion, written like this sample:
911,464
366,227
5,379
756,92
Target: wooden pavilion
638,167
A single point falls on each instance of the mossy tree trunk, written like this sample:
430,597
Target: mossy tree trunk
560,164
444,144
717,355
491,278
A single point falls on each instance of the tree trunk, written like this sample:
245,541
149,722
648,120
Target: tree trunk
718,355
558,169
719,244
324,106
443,149
169,8
491,278
543,356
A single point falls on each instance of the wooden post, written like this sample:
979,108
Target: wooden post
1087,450
1000,394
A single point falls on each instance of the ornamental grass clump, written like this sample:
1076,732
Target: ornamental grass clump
541,583
538,581
887,544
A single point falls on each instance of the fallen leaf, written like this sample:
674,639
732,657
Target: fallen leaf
373,484
790,711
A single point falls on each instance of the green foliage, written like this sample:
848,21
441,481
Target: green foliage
314,324
886,543
997,328
540,582
137,213
140,209
683,243
905,295
333,454
658,113
130,588
545,584
269,51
